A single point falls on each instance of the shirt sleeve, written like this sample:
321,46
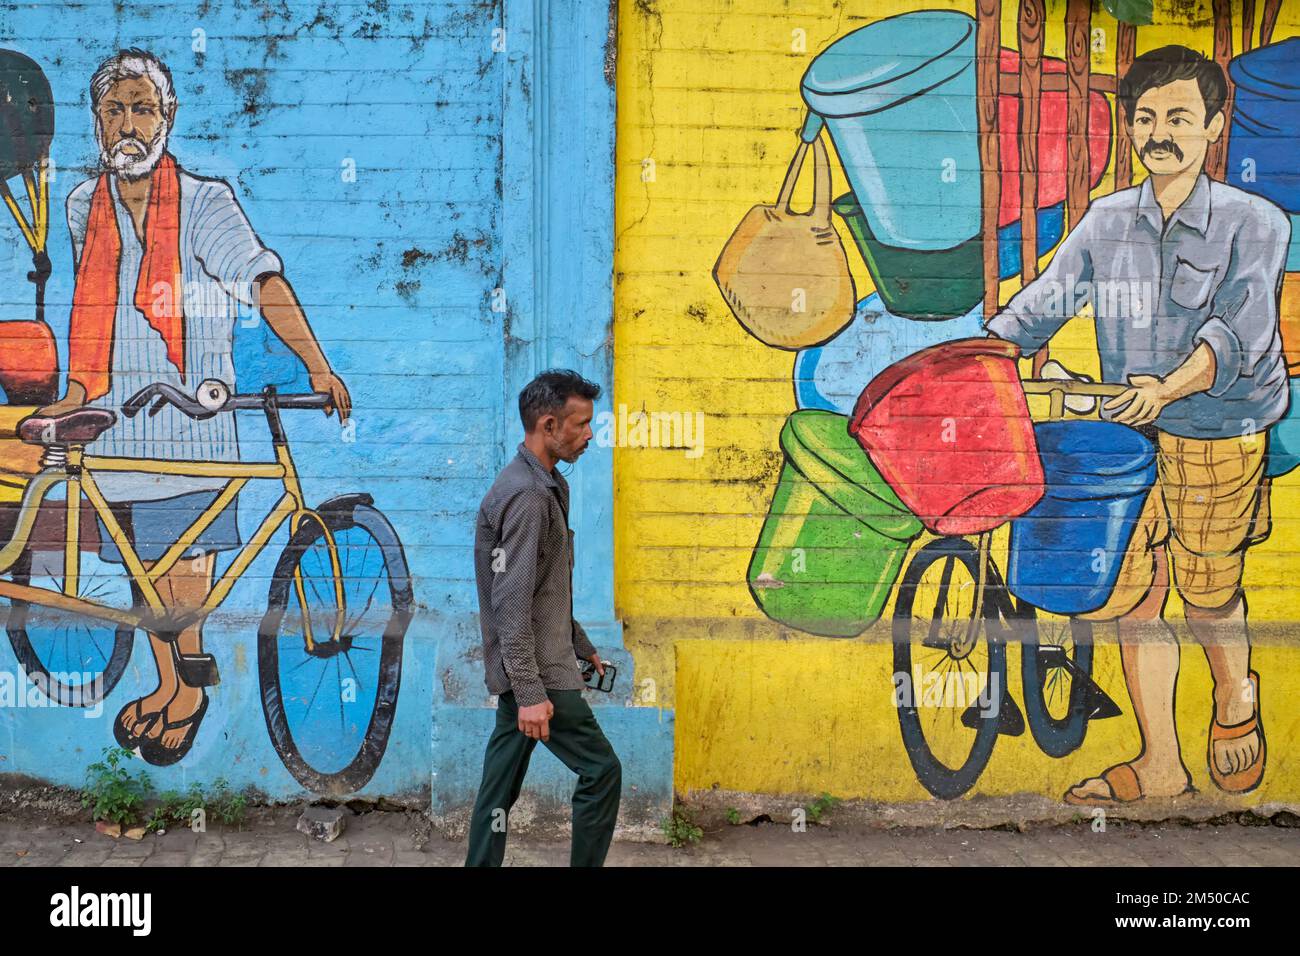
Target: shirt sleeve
78,212
1038,311
1243,320
226,245
581,643
512,594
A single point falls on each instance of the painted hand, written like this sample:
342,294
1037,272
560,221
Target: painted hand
1145,397
327,383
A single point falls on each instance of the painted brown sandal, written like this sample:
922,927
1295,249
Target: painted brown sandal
1248,778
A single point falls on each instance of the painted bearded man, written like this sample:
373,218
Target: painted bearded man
137,228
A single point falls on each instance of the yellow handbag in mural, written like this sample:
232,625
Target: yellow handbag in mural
784,274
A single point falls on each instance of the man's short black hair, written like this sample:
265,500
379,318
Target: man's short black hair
1168,65
548,393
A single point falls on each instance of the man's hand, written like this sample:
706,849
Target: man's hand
600,665
535,720
1145,397
327,383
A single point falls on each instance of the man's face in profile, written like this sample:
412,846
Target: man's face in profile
572,430
1169,130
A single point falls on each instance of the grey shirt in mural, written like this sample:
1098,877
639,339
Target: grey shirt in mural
523,565
1212,274
221,257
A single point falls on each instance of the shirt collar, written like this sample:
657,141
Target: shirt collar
547,475
1193,213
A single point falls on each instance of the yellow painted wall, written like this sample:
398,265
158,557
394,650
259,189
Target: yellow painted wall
708,111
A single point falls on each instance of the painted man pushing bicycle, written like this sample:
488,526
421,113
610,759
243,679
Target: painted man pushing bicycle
1199,348
146,236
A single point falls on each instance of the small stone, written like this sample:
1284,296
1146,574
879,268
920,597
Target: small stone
135,833
113,830
321,823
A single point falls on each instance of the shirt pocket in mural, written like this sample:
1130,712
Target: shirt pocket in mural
1191,285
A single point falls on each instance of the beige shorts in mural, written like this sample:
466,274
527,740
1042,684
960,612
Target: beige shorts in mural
1210,502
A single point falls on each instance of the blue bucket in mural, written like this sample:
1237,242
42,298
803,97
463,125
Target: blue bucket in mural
831,376
1265,136
898,98
1066,552
1284,438
1293,250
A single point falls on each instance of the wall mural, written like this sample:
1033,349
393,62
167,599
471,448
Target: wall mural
918,438
118,497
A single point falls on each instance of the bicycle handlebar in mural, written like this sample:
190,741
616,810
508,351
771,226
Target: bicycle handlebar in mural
918,450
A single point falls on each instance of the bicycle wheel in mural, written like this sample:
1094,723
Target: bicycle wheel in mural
330,699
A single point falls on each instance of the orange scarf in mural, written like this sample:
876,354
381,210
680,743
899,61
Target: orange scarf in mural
94,300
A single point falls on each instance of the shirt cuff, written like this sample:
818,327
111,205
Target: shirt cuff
1225,345
1006,325
530,694
581,643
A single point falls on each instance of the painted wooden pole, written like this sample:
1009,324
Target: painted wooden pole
1031,72
1218,156
1268,21
1125,50
1032,14
988,41
1078,22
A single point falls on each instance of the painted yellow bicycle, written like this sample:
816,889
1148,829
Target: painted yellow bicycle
339,602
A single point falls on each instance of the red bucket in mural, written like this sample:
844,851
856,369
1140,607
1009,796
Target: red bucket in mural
949,429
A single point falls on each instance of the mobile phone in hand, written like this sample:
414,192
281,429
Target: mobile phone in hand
594,680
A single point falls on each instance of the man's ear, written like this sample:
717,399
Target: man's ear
1214,128
171,116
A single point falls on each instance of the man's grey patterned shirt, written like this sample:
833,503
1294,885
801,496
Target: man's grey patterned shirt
523,564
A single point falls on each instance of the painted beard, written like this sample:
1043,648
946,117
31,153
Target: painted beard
131,167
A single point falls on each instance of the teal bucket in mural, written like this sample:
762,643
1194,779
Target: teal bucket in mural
1284,437
898,99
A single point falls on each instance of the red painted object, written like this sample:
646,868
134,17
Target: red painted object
29,363
949,429
1052,119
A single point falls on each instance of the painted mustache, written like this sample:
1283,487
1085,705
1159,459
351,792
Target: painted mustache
1168,145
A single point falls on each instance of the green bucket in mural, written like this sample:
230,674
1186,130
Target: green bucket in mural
836,534
939,284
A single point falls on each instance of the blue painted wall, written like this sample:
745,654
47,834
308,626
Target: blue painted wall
483,161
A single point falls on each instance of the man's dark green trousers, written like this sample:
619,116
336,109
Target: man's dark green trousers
579,743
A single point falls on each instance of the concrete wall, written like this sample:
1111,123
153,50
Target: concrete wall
800,698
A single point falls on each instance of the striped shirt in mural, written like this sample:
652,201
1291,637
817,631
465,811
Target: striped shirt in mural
523,564
221,257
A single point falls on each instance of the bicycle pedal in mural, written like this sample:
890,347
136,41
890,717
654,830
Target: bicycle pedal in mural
117,497
920,450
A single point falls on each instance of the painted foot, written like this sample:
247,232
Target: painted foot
138,717
170,738
1127,783
1236,746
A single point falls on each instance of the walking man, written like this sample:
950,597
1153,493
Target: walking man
523,563
1196,342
